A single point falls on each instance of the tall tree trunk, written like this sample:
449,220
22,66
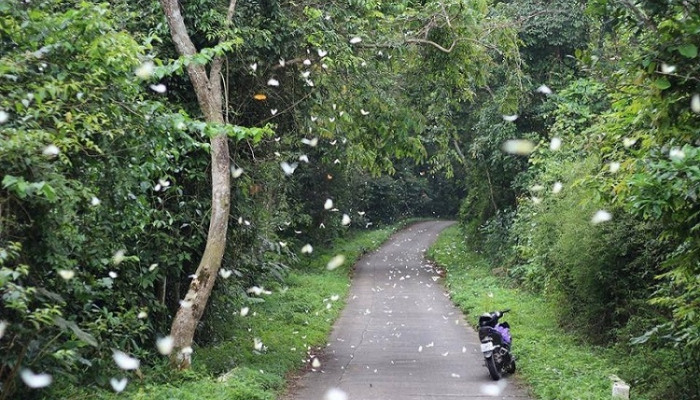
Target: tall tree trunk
208,89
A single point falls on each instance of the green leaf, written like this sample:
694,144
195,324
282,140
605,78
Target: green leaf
688,50
47,191
662,83
79,333
9,180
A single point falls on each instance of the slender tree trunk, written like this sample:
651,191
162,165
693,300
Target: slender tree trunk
208,89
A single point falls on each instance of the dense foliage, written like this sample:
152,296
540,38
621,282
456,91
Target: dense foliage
602,213
105,167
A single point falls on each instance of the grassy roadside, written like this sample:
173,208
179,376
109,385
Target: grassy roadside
551,362
293,322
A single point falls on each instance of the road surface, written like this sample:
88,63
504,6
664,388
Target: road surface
400,337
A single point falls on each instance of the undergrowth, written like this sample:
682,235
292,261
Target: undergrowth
292,322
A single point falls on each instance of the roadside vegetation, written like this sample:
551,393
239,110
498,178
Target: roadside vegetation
587,195
555,362
257,343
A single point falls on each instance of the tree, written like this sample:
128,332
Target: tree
208,89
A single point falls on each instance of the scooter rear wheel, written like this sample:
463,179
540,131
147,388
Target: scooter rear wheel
494,368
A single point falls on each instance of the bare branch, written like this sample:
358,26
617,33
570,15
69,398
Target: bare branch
430,42
639,14
293,61
447,16
290,107
459,151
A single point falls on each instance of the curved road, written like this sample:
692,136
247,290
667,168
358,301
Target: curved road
400,337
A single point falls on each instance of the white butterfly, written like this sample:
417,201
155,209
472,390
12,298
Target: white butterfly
601,216
544,89
118,385
225,273
668,69
555,144
335,262
676,154
695,103
310,142
124,361
558,186
50,150
335,394
66,274
288,168
145,70
165,345
159,88
186,303
35,381
518,146
236,173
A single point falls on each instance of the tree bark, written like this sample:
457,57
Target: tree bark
208,89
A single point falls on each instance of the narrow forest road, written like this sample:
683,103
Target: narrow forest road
400,337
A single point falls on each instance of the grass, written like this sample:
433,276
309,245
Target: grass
553,363
292,323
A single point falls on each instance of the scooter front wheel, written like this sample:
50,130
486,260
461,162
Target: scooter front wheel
511,367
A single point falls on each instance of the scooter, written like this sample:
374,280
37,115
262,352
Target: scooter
495,344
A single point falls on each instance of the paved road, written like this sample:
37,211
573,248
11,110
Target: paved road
400,337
